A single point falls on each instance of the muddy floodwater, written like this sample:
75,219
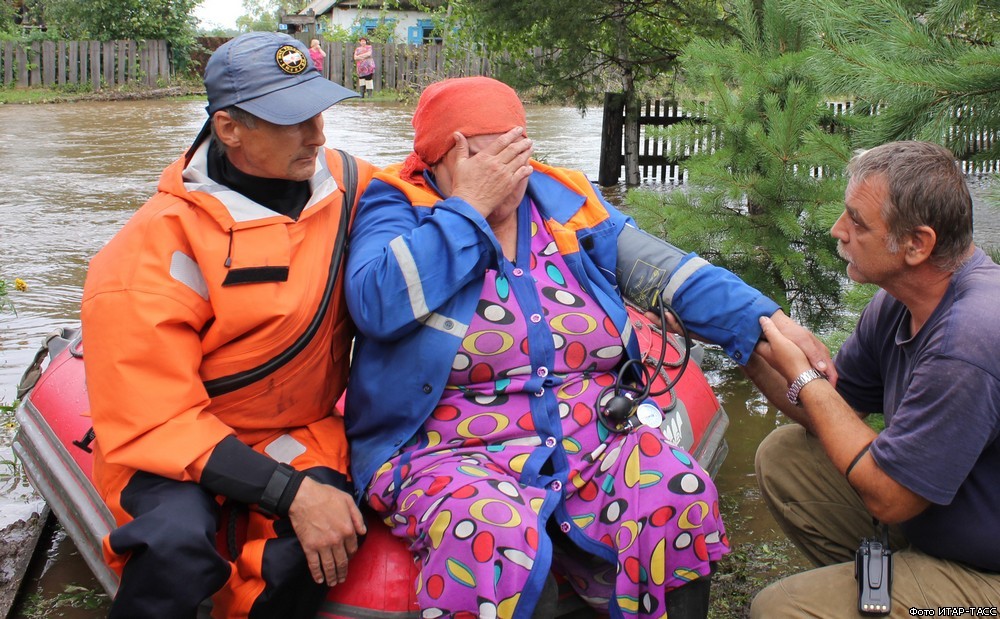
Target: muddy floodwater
72,174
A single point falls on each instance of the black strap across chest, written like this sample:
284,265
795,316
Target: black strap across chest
228,384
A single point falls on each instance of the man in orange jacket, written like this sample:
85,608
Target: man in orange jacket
217,346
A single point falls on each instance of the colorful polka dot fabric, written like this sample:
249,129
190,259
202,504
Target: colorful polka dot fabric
512,476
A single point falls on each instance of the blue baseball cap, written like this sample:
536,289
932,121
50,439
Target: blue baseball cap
271,76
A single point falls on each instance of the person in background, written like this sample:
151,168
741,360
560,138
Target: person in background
924,354
317,54
490,322
217,347
365,63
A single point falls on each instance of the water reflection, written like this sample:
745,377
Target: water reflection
72,174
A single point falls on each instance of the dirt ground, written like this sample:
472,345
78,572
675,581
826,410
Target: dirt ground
17,543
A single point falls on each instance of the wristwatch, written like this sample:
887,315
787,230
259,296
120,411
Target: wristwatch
803,379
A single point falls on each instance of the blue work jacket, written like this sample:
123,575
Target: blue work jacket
414,278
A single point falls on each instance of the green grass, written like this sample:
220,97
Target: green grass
73,596
876,422
5,304
42,95
181,87
748,568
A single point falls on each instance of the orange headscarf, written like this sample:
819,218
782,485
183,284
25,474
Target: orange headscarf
470,105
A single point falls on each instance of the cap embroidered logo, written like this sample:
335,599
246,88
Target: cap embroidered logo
290,60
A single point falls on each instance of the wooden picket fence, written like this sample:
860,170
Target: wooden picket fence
99,64
400,66
661,160
112,63
658,158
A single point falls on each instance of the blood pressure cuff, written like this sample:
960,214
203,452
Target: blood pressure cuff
646,267
713,303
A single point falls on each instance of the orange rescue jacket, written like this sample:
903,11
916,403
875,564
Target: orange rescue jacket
199,287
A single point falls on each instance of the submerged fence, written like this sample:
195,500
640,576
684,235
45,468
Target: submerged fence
99,64
659,159
662,160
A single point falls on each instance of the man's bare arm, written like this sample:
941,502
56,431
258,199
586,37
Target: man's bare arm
840,430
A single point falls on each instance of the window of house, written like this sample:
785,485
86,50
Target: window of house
368,25
428,33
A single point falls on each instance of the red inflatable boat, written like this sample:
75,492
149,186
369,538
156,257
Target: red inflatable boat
55,433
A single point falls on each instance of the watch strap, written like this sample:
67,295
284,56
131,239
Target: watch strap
801,381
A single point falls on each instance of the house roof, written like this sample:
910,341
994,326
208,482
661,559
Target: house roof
321,7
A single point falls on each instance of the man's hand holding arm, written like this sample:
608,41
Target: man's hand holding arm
815,351
325,518
327,523
837,426
714,303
